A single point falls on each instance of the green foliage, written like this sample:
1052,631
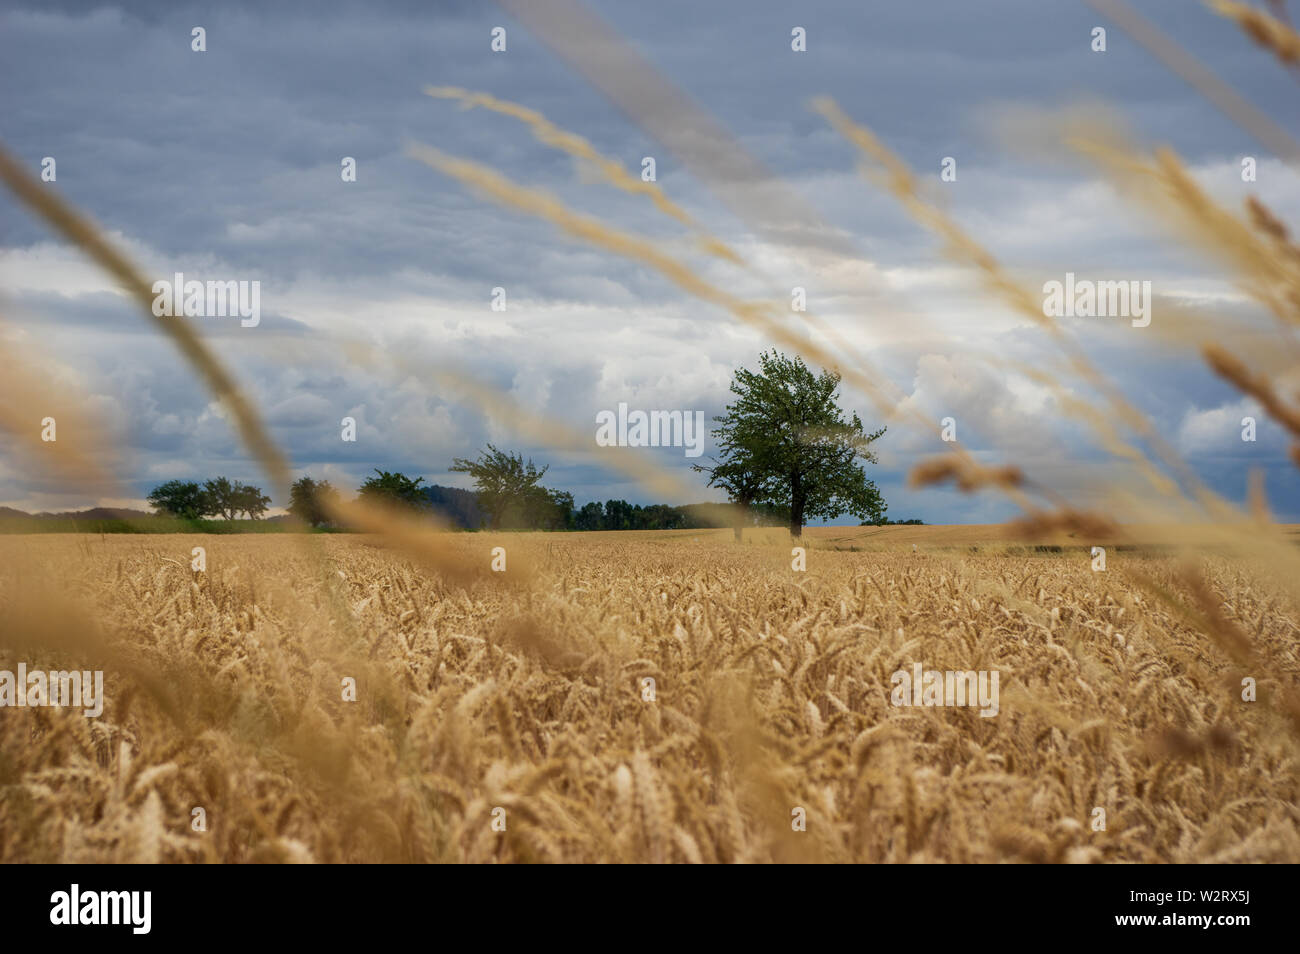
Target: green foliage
309,500
225,498
180,498
788,454
561,512
219,498
744,481
147,523
510,492
393,489
250,500
590,517
621,515
786,443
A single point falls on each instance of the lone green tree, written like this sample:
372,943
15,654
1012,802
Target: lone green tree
310,500
786,440
508,489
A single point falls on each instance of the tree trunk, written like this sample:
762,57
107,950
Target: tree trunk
742,517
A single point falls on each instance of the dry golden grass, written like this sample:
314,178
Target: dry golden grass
772,692
1269,32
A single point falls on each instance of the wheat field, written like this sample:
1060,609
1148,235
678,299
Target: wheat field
504,716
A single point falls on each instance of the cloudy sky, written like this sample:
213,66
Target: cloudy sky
225,165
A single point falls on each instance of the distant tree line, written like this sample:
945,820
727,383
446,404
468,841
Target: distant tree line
621,515
214,498
788,453
509,498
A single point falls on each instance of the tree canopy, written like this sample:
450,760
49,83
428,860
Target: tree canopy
181,498
310,500
220,497
744,480
393,489
786,443
510,491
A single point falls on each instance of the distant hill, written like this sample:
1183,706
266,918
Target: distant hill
101,513
458,506
94,513
125,520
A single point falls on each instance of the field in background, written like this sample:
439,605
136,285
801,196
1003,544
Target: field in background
142,524
996,537
1005,535
518,698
